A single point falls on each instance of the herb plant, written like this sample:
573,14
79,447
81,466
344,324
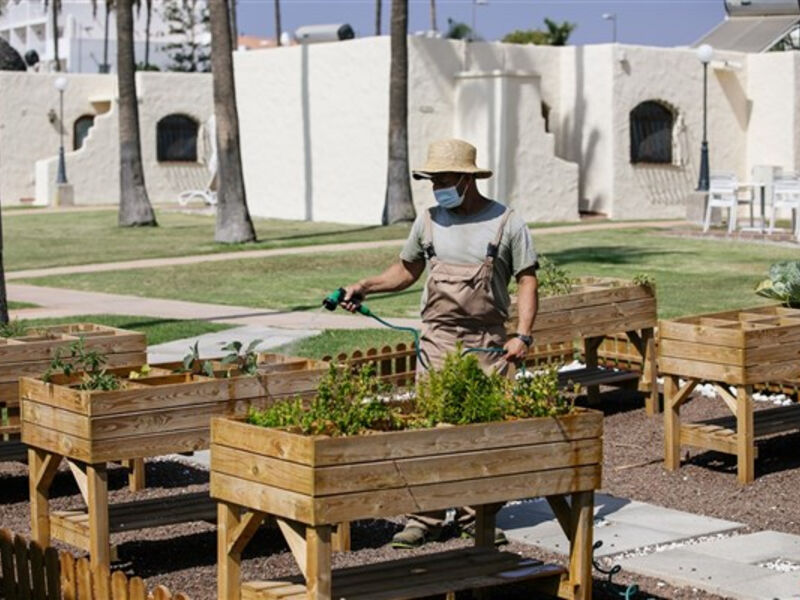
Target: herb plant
193,364
89,363
644,280
783,283
347,403
14,328
246,361
553,280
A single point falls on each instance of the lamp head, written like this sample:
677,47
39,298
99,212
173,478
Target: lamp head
609,16
60,83
705,53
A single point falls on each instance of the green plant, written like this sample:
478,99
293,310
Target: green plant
347,403
645,280
246,361
537,394
14,328
556,34
460,393
193,364
553,280
783,283
88,363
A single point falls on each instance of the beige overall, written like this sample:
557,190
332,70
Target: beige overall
460,307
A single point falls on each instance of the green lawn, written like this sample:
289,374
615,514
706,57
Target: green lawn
13,305
333,341
692,275
58,239
157,330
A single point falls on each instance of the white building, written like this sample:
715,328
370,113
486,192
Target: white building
27,25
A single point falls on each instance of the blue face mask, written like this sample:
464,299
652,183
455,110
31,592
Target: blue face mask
449,197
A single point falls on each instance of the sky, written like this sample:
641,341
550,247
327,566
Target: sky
649,22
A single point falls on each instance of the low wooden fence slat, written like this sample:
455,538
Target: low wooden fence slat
29,572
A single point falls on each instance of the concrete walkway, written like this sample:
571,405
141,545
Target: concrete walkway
59,302
299,250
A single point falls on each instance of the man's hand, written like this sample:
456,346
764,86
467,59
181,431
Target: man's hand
353,296
516,350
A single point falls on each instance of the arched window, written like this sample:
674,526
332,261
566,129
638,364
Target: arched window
176,139
651,133
80,130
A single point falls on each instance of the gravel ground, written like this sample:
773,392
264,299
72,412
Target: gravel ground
183,557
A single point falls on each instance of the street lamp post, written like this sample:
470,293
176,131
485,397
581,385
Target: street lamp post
613,18
474,4
704,54
61,84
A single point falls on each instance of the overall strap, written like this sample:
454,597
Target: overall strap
427,238
494,246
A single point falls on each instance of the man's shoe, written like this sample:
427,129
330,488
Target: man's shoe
500,538
414,536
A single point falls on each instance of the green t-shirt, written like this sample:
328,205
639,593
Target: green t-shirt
463,239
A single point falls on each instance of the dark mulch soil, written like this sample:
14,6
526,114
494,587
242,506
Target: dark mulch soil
183,557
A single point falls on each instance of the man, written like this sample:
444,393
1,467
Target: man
472,246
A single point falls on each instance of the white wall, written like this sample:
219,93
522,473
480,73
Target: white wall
27,136
342,118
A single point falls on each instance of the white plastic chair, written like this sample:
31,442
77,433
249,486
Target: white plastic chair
208,194
723,192
786,194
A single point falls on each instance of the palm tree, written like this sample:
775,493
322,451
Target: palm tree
378,6
433,16
148,19
55,7
398,206
558,33
234,25
278,22
234,224
134,205
106,67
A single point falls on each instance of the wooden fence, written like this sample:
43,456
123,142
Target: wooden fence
398,365
29,572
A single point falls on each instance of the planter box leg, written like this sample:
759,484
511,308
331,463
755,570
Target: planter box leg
649,381
99,538
580,547
672,424
340,540
318,562
136,479
590,346
745,446
42,467
228,563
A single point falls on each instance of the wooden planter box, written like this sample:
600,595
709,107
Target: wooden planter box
31,355
319,481
735,348
159,414
596,307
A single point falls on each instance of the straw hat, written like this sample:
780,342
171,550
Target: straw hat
451,156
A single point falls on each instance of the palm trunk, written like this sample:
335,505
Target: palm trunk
233,219
54,5
398,206
3,295
134,205
149,17
433,16
234,25
105,67
278,22
378,6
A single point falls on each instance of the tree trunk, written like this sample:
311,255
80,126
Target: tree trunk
54,6
398,206
106,68
3,295
233,219
149,17
433,16
278,22
134,205
234,25
378,6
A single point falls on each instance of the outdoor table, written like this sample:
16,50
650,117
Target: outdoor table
734,348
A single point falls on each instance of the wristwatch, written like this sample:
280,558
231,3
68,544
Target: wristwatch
526,339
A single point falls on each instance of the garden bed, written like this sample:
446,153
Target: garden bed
311,483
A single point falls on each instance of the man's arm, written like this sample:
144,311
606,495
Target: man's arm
397,277
527,305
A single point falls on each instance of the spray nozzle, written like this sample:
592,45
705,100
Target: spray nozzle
332,300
